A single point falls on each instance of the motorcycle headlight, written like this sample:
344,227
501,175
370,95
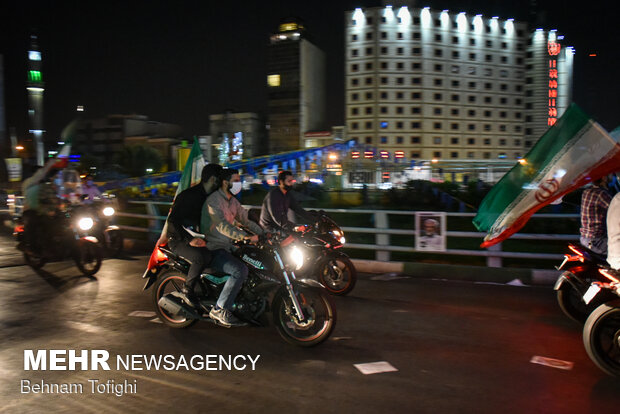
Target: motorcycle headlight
342,240
108,211
337,233
297,257
86,223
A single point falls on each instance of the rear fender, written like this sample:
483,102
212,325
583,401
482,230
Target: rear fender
570,278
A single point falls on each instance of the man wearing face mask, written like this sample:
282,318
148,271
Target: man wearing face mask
226,214
278,202
185,213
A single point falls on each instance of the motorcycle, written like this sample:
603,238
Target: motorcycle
319,244
110,235
601,332
581,268
303,315
68,240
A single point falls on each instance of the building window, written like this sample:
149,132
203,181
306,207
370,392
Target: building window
487,114
437,111
354,111
438,82
438,53
471,98
384,65
415,110
416,51
486,155
455,112
438,68
368,81
454,155
416,81
400,35
415,140
369,96
273,80
472,56
415,154
384,50
384,95
355,125
454,126
400,81
455,54
471,127
368,110
415,125
471,113
399,140
384,140
369,51
354,82
455,40
399,110
488,58
369,36
354,97
455,84
437,140
354,68
354,52
368,125
436,154
471,141
369,66
400,66
416,66
502,142
471,85
354,38
399,125
487,141
384,80
399,95
437,97
384,109
470,154
487,127
416,95
368,140
454,141
437,125
384,35
416,35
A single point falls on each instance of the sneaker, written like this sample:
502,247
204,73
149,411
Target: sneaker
225,318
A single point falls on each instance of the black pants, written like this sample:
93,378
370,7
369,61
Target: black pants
199,257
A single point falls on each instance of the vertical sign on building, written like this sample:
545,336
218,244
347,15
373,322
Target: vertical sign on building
553,49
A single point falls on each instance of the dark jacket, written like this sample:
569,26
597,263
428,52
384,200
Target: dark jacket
274,212
186,211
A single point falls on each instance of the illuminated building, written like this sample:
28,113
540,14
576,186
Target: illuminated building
451,85
296,87
242,133
35,88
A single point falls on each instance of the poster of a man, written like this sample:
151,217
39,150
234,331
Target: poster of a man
430,231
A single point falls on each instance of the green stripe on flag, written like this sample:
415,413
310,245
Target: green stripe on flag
193,168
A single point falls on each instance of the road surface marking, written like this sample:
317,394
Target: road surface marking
551,362
142,314
389,276
375,367
85,327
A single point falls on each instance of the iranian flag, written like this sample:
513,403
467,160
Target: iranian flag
191,176
573,152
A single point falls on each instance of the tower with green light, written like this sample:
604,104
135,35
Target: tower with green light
35,88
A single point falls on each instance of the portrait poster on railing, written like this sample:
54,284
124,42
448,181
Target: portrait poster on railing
430,231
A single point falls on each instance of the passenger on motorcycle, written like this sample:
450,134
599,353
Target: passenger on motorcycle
278,203
185,213
226,213
40,206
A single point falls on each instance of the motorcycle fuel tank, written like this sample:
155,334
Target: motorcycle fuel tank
256,258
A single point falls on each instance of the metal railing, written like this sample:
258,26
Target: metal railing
382,232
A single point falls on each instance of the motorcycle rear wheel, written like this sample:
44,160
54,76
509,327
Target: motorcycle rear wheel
601,337
167,282
318,309
338,275
88,257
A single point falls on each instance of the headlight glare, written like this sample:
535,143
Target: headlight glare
86,223
108,211
297,257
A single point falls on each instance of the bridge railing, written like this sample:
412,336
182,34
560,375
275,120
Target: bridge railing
383,243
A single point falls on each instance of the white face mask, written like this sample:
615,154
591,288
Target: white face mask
236,188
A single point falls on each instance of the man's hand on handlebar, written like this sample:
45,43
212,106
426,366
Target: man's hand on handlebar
253,239
196,242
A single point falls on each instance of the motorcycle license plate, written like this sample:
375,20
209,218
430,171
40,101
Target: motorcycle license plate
591,293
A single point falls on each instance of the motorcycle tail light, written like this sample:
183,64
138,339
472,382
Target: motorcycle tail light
608,275
18,229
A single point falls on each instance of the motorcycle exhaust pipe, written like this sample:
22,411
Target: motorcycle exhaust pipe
175,306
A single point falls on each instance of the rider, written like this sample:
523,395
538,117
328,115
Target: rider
226,213
186,213
278,202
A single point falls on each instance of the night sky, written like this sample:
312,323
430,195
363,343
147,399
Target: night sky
180,61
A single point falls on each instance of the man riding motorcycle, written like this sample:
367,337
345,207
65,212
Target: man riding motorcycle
226,213
185,214
278,202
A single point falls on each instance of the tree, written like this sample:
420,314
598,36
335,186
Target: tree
137,159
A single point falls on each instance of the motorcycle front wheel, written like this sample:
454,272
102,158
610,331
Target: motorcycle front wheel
88,257
34,261
601,337
114,241
319,316
170,281
338,275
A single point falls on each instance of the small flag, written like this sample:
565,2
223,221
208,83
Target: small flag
573,152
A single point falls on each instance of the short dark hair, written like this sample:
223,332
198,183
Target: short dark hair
227,173
209,171
283,174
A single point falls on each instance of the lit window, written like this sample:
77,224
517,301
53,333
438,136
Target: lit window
273,80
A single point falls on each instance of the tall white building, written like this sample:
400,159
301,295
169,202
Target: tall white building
451,86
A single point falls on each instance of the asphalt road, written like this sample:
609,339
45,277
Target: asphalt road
450,347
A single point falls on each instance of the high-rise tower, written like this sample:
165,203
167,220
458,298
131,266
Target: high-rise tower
35,88
296,81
